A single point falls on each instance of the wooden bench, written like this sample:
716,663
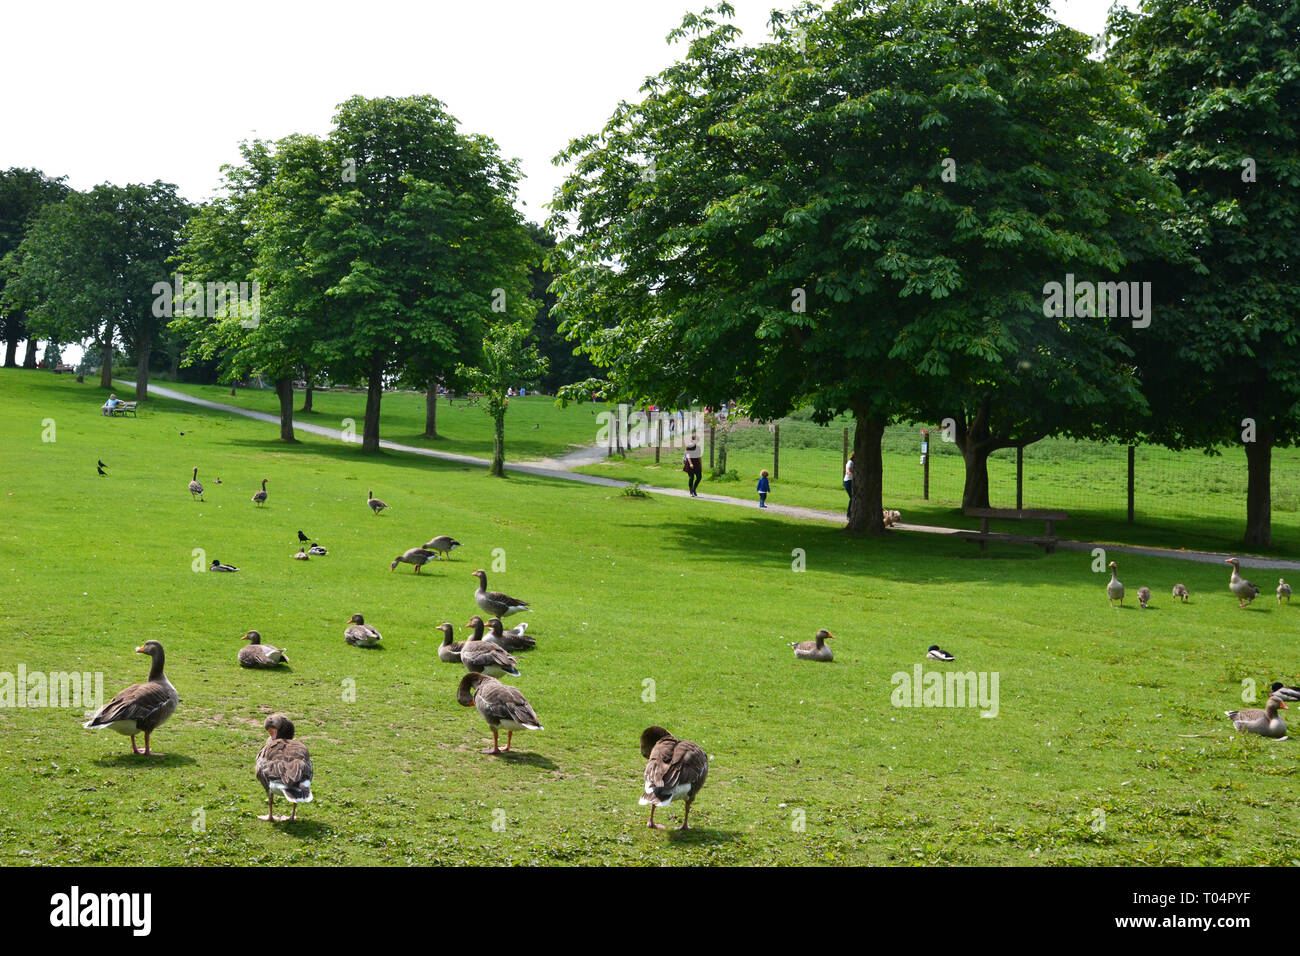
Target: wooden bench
123,409
60,369
1047,540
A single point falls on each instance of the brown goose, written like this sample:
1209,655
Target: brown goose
1144,597
283,767
257,654
1180,592
196,489
1243,589
416,556
817,650
443,544
141,708
1283,591
512,640
501,705
481,657
260,497
675,768
449,650
1114,590
1264,722
494,602
375,504
361,634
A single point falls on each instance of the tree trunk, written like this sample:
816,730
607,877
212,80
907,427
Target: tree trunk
106,360
868,475
498,446
142,370
11,353
431,409
975,491
374,395
284,389
1259,496
29,358
307,395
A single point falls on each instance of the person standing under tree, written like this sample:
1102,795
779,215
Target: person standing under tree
693,465
848,484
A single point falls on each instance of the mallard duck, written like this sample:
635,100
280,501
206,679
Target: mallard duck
1283,591
1264,722
416,556
674,768
1114,590
449,650
494,602
361,634
375,504
1286,693
283,767
512,640
501,705
218,566
260,497
817,650
1144,597
257,654
316,549
141,708
481,657
939,654
443,544
301,555
1180,592
196,489
1239,586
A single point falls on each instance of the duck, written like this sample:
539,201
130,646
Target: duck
301,555
494,602
443,544
218,566
1144,597
1264,722
449,650
416,556
375,504
1114,590
482,657
1243,589
283,767
817,650
513,639
257,654
939,654
196,489
500,705
1180,592
316,549
1283,591
1286,693
361,634
260,497
674,768
140,708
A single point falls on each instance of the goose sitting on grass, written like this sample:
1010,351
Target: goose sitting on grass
815,650
301,555
257,654
1264,722
1243,590
502,706
482,657
361,634
449,650
283,767
674,768
140,708
1114,590
512,640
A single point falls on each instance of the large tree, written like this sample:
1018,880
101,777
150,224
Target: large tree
22,194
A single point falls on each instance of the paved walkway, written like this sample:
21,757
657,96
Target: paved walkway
559,468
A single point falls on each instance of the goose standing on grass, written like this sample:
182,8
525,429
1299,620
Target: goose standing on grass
196,489
1144,597
449,650
260,497
218,566
1245,591
283,767
1180,592
141,708
1264,722
361,634
316,549
816,650
1283,591
1286,693
1114,590
301,555
675,768
443,544
375,504
938,653
501,705
494,602
257,654
512,640
481,657
416,556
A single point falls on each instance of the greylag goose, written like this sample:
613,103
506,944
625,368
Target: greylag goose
500,705
361,634
817,650
301,555
196,489
939,654
283,767
1180,592
449,650
443,544
1283,591
1239,586
257,654
1114,590
1286,693
260,497
416,556
482,657
316,549
1144,597
1264,722
218,566
494,602
512,640
375,504
674,768
141,708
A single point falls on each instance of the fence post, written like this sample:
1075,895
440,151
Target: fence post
659,434
776,452
711,432
925,464
845,462
1020,477
1131,450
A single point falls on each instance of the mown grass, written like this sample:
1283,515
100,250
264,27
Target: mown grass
1086,762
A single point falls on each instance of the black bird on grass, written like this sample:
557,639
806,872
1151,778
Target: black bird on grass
303,538
102,472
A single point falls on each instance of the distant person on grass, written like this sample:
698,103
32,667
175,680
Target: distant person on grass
693,465
848,484
111,404
763,489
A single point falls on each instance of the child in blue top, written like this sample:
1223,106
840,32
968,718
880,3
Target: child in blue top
763,489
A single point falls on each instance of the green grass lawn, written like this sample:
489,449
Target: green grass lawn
1109,745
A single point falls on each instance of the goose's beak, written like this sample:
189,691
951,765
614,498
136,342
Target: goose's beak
140,649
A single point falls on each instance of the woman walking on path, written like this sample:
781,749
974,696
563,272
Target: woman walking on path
693,465
848,484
